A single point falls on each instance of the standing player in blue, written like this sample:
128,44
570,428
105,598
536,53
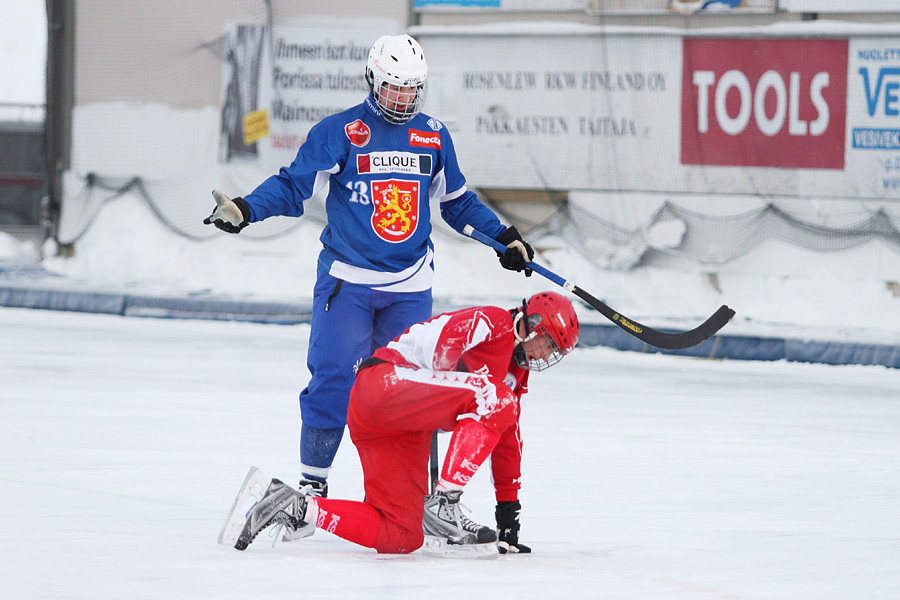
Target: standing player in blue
384,161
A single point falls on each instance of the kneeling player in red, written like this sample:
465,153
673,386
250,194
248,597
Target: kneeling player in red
464,372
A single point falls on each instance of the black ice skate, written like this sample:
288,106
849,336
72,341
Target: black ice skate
307,487
448,532
262,502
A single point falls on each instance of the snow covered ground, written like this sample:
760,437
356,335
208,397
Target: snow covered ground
646,476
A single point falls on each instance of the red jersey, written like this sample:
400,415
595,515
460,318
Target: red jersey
474,340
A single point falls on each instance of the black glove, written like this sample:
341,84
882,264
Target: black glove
229,215
518,251
507,514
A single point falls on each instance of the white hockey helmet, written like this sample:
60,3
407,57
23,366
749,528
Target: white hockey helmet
397,62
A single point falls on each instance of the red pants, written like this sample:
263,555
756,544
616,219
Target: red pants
393,413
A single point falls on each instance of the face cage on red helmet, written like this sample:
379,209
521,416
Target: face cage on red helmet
532,344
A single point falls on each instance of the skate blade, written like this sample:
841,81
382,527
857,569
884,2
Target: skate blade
253,489
440,547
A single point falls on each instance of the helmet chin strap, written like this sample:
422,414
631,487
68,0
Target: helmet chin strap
522,316
519,316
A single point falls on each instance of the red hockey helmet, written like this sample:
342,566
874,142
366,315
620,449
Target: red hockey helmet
551,315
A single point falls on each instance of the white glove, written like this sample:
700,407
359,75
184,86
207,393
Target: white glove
228,215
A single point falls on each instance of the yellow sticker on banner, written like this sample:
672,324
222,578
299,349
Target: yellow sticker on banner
256,126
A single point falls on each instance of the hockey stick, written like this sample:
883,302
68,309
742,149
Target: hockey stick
435,465
660,339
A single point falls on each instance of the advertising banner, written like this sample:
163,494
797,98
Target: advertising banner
467,4
709,6
599,6
763,103
517,5
274,89
559,111
634,111
839,6
789,116
873,116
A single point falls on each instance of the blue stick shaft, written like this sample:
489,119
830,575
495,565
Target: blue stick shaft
541,270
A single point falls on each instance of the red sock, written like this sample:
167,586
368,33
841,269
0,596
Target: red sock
355,522
470,445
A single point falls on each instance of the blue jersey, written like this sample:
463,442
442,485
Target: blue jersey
382,178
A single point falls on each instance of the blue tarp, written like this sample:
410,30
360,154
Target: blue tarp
20,294
744,347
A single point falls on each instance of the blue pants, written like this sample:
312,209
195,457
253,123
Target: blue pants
349,322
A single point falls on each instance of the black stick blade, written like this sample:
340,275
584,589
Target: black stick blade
661,339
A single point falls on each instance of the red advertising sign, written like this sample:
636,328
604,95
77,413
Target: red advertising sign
764,103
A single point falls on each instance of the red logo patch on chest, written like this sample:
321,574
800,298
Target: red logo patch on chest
358,133
396,214
425,139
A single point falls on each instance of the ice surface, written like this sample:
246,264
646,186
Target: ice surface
124,441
